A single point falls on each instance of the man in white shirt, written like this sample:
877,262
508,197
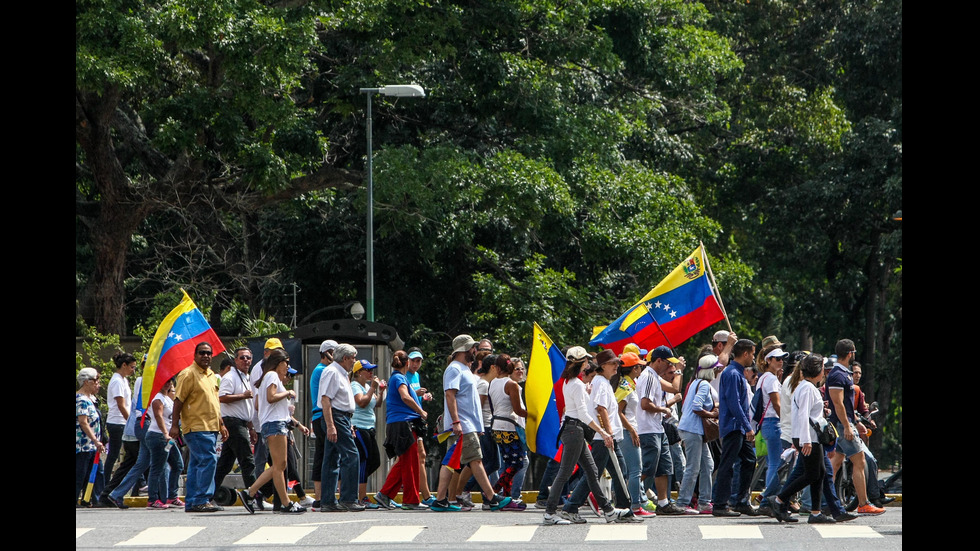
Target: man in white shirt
463,414
340,458
235,395
659,377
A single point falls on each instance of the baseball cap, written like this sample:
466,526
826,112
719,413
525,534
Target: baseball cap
362,364
273,343
577,353
663,353
328,344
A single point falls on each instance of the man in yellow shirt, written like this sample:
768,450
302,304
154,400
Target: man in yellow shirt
197,412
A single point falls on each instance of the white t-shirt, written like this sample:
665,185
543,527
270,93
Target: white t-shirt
275,411
483,388
785,413
118,386
648,386
768,383
459,377
168,412
235,382
578,404
602,395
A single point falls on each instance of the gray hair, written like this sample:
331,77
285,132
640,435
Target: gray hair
344,350
87,374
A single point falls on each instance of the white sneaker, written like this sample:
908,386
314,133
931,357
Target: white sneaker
306,501
555,519
574,518
619,515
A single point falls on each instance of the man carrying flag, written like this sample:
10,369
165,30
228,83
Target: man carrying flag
197,406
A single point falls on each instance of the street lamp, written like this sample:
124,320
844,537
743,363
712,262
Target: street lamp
398,91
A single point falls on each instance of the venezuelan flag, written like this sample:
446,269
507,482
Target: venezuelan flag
543,371
677,308
173,345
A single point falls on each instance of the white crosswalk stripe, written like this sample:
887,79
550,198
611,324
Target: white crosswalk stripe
730,532
503,533
285,535
847,531
79,532
617,532
163,535
386,534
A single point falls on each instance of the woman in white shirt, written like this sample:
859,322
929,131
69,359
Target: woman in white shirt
274,418
807,411
578,417
161,488
768,384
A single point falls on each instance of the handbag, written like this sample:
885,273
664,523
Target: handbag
826,431
712,430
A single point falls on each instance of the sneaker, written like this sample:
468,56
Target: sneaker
498,502
202,508
650,506
764,510
443,506
869,510
353,506
882,501
541,504
216,506
555,519
315,504
706,509
384,501
414,506
687,511
307,501
247,500
669,509
118,503
335,507
572,518
747,510
368,504
724,512
429,502
780,511
640,512
593,505
618,515
845,516
820,519
156,505
260,501
175,502
515,506
464,500
485,506
462,507
293,507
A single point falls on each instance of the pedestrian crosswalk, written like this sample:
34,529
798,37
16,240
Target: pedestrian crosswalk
316,532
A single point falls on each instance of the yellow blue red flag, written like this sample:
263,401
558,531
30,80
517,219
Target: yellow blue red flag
543,371
677,308
173,345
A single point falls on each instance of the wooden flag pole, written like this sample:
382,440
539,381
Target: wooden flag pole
714,286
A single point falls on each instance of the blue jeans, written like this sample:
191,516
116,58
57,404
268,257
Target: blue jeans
340,460
772,434
134,474
161,486
631,454
202,462
699,466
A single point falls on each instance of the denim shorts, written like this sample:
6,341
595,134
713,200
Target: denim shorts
274,428
655,452
849,447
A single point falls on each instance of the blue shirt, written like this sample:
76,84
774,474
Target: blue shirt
733,398
414,386
315,390
698,399
363,418
397,409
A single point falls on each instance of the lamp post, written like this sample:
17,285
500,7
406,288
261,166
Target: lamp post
399,91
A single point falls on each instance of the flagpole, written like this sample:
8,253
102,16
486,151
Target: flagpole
714,285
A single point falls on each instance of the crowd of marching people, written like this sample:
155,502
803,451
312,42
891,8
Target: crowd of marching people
630,415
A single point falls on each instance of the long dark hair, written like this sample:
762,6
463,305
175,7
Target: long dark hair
572,369
273,361
617,377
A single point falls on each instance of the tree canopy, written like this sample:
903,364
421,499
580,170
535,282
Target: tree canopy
566,157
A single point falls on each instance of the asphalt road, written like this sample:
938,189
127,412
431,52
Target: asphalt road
235,529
